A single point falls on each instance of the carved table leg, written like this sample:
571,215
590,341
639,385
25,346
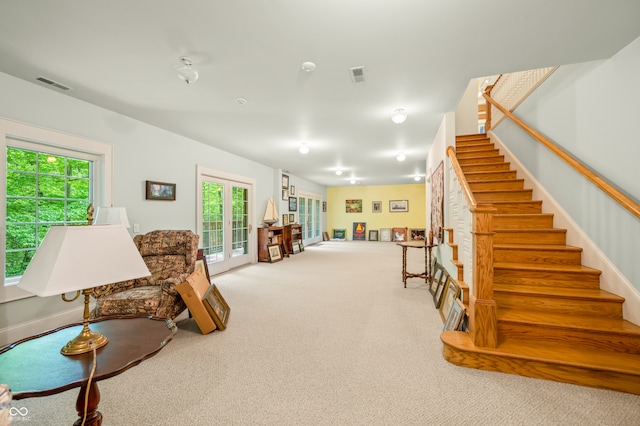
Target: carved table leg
404,266
94,417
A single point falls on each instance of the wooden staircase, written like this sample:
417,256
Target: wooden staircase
554,321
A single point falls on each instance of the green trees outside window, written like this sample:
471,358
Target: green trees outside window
42,190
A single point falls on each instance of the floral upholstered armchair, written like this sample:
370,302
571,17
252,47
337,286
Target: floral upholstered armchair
170,257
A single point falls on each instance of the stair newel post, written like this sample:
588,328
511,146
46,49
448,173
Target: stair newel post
482,306
487,124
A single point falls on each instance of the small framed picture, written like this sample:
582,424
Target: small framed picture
436,276
285,195
275,253
373,235
399,234
160,191
201,263
376,206
293,204
285,181
292,190
398,206
385,234
449,295
455,317
417,234
339,234
292,217
324,207
442,284
216,306
285,219
296,247
301,245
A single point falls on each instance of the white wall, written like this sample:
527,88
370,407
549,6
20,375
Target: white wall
591,110
141,152
466,118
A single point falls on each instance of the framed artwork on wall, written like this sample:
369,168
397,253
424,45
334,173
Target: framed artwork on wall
160,191
376,206
373,235
293,204
398,206
359,231
385,234
285,181
353,206
437,201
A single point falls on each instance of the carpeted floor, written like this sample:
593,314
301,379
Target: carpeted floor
328,337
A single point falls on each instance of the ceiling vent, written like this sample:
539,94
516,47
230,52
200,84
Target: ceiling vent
357,74
53,83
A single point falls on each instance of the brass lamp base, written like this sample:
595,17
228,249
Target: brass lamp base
87,339
84,342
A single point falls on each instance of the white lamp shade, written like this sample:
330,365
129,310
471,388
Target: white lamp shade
111,216
73,258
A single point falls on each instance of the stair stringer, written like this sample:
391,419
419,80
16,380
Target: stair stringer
611,279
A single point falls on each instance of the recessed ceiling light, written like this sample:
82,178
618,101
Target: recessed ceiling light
304,149
401,156
399,116
353,181
308,67
338,172
417,178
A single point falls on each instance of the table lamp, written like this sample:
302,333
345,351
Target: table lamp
111,216
76,259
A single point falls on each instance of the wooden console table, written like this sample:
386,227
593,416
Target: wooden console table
427,260
34,366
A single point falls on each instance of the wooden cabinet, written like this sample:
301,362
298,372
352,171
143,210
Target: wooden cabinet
292,234
268,236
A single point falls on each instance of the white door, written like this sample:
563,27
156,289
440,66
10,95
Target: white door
310,217
225,222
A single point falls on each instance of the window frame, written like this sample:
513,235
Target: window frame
27,136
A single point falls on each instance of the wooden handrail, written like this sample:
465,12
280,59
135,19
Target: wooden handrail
471,200
602,184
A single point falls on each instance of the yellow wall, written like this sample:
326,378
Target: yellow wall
338,218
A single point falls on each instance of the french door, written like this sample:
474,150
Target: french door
225,221
310,217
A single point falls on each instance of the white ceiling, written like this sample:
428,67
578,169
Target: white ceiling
417,54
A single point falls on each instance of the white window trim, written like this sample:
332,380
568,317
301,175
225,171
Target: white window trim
103,173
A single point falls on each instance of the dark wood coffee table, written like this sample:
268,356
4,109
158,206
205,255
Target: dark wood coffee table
34,366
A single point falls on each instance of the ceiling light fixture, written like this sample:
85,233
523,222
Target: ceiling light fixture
353,181
186,72
308,67
338,172
304,149
401,156
417,178
398,116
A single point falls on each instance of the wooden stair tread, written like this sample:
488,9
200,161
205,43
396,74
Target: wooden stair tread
551,352
546,267
532,247
578,294
590,323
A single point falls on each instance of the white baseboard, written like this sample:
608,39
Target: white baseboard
611,280
30,328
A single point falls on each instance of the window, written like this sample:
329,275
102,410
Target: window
39,192
42,190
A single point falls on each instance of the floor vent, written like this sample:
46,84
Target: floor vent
53,83
357,74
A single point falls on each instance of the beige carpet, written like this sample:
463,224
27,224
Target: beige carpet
329,337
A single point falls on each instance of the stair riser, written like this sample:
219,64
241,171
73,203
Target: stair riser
544,370
510,195
618,342
470,147
555,257
529,237
523,222
559,305
477,153
516,207
495,167
471,139
484,176
546,278
497,185
470,161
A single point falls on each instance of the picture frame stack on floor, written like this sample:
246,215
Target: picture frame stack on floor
447,295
